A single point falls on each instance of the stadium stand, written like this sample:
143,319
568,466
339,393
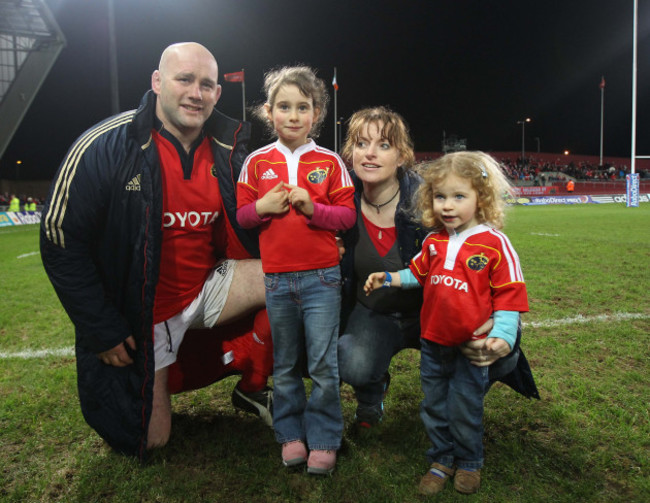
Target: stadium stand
553,170
30,42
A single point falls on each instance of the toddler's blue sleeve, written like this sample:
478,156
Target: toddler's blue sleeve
505,326
409,281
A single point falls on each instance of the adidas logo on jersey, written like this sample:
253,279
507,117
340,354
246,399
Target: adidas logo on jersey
134,184
269,175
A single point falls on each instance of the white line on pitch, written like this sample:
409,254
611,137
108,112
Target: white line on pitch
28,254
579,319
38,353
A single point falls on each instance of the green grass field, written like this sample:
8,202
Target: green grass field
586,440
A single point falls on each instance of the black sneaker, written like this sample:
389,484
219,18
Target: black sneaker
259,403
367,417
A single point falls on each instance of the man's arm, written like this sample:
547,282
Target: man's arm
70,225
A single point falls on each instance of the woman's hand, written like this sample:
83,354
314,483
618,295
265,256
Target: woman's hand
340,246
484,352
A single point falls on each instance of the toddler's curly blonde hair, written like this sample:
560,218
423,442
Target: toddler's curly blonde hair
485,175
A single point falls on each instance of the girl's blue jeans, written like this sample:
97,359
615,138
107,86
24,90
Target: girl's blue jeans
303,309
452,409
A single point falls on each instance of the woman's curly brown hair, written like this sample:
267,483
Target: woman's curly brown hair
394,129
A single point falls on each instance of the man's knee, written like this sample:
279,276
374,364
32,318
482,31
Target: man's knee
246,293
249,279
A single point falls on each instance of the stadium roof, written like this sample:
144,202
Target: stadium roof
30,42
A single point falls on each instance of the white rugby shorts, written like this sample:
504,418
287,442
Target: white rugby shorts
203,312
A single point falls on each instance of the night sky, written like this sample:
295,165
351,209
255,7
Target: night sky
469,68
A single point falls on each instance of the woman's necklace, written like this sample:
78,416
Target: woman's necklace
379,206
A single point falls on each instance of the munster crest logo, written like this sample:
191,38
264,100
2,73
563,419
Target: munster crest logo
213,170
477,262
317,176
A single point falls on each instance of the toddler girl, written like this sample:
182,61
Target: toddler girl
469,272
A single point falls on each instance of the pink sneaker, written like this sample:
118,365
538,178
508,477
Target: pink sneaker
321,462
294,453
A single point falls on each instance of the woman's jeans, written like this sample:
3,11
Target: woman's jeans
303,309
452,409
369,342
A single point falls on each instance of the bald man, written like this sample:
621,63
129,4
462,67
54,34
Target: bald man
140,241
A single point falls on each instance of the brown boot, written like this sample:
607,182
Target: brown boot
432,483
467,482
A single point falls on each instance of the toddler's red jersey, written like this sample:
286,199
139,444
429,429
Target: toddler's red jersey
466,277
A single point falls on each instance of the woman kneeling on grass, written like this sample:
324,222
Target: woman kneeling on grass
469,272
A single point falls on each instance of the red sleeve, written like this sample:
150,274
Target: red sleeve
247,189
419,265
508,293
507,280
341,189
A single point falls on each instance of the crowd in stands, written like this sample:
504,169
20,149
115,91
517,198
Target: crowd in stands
12,202
543,172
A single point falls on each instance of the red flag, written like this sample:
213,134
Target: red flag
602,82
234,77
334,84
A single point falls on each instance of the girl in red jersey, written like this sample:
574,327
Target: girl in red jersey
469,271
300,195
